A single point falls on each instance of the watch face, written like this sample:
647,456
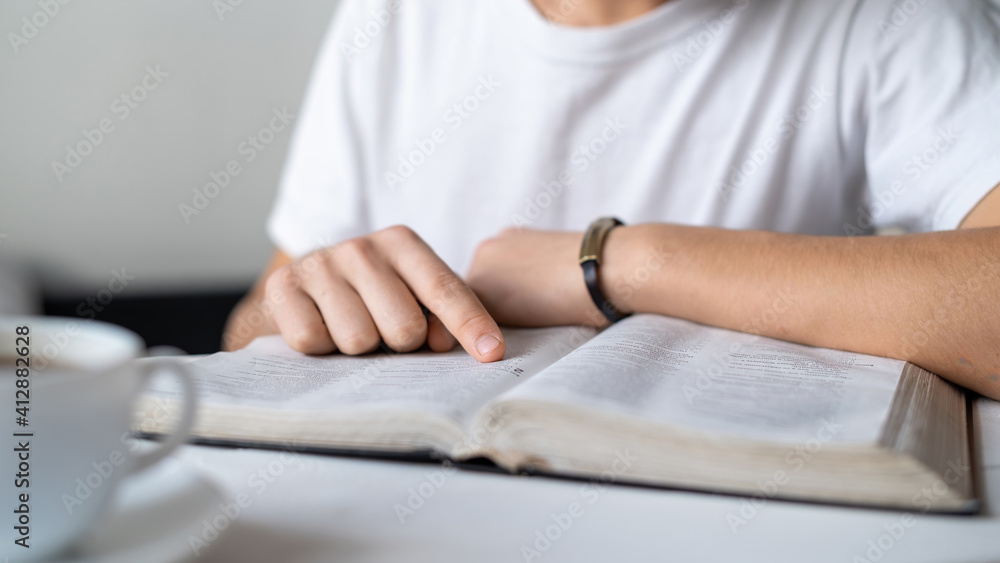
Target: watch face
590,259
593,239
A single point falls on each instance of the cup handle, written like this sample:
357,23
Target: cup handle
152,366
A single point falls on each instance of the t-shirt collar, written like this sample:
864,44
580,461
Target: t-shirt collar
605,44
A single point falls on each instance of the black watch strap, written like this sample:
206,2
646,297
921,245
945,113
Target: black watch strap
590,261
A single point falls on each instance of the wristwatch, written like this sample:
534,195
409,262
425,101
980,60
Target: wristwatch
590,261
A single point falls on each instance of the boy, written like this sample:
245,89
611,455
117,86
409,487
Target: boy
744,144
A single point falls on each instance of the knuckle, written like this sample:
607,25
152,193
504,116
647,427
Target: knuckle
397,235
400,233
408,334
316,260
358,342
309,340
355,250
282,280
448,288
483,248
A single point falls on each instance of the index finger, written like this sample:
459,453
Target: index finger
445,294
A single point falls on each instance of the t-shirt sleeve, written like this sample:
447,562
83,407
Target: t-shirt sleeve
321,195
933,104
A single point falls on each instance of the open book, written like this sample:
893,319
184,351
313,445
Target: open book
651,400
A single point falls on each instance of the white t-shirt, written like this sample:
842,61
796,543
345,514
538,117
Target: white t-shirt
461,117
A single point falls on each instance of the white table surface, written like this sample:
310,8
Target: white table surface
325,508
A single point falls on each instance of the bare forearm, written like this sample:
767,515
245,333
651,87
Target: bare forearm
931,299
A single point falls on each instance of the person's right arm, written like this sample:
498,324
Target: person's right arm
354,295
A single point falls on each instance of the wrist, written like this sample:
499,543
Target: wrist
632,262
592,249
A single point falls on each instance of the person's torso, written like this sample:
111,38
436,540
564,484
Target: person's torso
479,116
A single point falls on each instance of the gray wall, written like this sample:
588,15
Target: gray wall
118,208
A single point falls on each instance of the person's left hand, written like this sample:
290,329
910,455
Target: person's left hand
526,277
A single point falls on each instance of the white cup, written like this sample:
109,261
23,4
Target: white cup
78,394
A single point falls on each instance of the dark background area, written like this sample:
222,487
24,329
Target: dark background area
191,322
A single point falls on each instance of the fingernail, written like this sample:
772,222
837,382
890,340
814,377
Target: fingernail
487,343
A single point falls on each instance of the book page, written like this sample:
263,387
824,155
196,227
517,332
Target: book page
268,374
684,374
